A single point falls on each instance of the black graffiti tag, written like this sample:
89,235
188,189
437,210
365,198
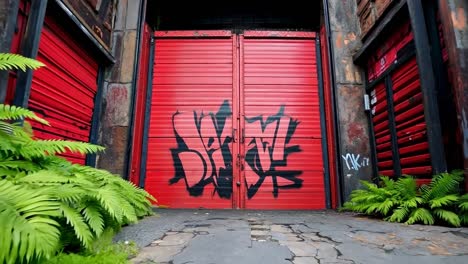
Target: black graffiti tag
267,153
203,155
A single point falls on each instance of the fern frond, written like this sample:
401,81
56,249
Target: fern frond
78,223
9,61
443,201
40,148
464,218
399,215
94,218
448,216
463,203
385,207
11,112
28,231
407,187
420,215
441,185
387,183
412,203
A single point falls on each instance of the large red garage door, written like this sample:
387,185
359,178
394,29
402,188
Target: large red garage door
235,121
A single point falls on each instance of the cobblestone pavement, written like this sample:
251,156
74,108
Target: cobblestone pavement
206,236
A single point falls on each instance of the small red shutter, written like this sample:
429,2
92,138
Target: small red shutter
63,92
410,122
283,140
408,109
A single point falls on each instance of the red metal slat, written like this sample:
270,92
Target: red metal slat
381,127
413,112
278,34
424,158
417,171
193,33
384,155
408,103
409,150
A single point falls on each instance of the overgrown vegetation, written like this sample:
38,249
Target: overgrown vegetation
49,205
439,202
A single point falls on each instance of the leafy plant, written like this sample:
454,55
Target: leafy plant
403,201
48,204
9,61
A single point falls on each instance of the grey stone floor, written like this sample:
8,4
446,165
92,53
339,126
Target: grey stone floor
206,236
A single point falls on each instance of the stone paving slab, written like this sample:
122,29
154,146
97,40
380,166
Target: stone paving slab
230,236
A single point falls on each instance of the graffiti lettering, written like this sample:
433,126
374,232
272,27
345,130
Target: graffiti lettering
268,150
355,162
203,155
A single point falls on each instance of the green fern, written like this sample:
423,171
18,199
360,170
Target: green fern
27,226
11,112
421,215
48,204
441,185
448,216
402,201
9,61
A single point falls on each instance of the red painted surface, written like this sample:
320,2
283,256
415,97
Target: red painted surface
212,101
387,53
140,105
279,34
410,122
327,92
63,91
193,77
381,130
194,33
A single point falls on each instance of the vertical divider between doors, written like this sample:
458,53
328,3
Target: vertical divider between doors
242,189
235,123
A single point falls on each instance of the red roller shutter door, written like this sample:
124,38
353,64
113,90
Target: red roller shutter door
235,123
281,112
191,123
63,92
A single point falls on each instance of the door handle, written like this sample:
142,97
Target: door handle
234,130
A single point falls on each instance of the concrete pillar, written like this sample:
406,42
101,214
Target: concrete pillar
117,93
8,15
353,127
454,17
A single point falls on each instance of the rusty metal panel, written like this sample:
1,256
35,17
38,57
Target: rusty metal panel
190,161
96,16
282,140
63,91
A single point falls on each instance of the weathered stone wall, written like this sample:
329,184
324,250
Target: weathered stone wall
353,138
117,93
454,17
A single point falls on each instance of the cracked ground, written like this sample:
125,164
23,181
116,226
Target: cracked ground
206,236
